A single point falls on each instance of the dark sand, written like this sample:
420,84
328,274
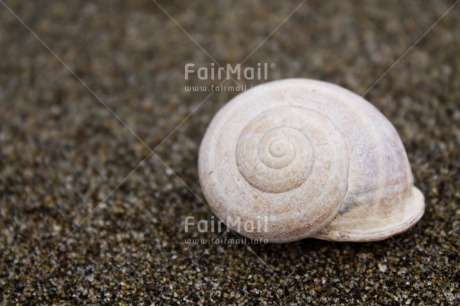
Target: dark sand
62,152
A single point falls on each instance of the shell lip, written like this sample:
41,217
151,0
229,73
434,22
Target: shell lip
414,212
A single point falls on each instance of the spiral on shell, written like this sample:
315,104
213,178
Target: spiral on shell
311,159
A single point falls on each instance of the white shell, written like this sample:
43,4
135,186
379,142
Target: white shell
305,158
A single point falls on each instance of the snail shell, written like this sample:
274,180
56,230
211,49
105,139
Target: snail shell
306,158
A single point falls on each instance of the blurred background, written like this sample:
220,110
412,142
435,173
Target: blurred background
99,142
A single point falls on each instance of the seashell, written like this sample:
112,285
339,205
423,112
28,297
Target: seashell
301,158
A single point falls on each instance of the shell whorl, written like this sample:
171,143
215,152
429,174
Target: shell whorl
273,155
312,157
288,153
